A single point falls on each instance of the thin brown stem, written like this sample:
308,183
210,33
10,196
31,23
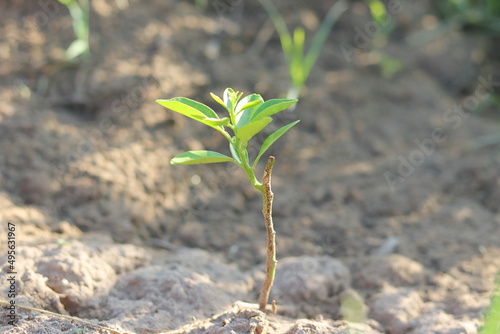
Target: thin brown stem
267,210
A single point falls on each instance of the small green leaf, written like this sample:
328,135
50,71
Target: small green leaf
188,107
252,104
195,110
227,95
249,101
77,48
377,9
218,100
246,132
231,98
199,157
299,37
214,122
297,64
235,154
271,139
271,107
246,107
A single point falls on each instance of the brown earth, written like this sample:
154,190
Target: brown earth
387,217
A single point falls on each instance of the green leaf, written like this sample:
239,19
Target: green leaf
214,122
227,95
199,157
249,101
296,66
188,107
77,48
195,110
377,9
281,28
271,107
246,107
271,139
235,154
252,104
231,98
246,132
218,100
321,35
299,38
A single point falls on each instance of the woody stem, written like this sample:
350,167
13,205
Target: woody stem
267,206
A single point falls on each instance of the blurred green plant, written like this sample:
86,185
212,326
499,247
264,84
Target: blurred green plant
492,317
247,117
388,64
80,47
483,15
300,62
201,4
353,307
491,103
479,16
379,14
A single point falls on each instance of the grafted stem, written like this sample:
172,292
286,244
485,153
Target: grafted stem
267,210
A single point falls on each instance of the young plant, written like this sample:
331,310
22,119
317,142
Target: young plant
79,11
247,116
388,65
293,46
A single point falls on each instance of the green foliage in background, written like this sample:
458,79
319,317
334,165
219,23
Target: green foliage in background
300,62
481,16
492,317
388,64
79,11
379,14
477,14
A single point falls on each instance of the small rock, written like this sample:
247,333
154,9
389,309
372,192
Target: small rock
167,298
80,275
443,323
35,189
126,257
309,279
304,326
192,234
396,270
245,321
34,286
396,309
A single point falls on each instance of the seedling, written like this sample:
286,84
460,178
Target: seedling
300,65
247,117
79,11
388,65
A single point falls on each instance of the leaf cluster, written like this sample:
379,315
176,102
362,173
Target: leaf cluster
246,117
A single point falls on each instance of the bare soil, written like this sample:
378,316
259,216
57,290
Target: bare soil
387,218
